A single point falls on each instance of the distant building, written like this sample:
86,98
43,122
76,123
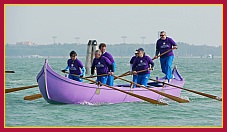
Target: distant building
210,56
25,43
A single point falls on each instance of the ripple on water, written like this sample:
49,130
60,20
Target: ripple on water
200,75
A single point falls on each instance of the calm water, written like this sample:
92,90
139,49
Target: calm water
201,74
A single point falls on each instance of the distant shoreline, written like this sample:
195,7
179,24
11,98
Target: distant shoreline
121,50
84,57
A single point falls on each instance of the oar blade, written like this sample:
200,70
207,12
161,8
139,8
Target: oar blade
33,97
9,71
218,98
175,98
204,94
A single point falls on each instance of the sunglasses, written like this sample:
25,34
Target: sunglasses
162,35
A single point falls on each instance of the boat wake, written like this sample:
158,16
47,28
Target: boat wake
163,101
185,97
95,104
167,100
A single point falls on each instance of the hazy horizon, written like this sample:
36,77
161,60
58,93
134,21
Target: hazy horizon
195,25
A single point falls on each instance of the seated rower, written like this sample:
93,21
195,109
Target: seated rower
102,65
142,62
75,67
134,77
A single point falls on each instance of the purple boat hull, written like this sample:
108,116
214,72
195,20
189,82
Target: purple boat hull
57,89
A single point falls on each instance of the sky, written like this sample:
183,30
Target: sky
192,24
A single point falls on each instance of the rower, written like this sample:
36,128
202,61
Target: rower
103,66
142,62
75,67
134,77
164,44
110,79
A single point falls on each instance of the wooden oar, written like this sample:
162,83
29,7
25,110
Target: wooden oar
33,97
84,77
9,71
163,53
180,100
19,88
132,94
96,76
130,74
123,74
200,93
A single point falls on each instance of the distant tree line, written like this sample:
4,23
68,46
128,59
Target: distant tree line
183,50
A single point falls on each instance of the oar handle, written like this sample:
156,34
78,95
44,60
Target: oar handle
85,77
136,72
97,76
163,53
144,70
122,75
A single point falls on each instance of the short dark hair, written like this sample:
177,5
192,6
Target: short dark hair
163,32
102,45
73,53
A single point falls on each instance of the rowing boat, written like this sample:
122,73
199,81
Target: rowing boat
57,89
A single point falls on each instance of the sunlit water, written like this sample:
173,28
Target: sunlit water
200,74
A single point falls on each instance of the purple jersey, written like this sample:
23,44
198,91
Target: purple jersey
74,66
142,64
109,56
164,45
132,59
102,65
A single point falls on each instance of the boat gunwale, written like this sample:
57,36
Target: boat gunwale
103,88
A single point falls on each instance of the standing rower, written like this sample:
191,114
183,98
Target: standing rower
164,44
110,79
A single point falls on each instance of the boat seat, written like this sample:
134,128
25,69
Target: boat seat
155,84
